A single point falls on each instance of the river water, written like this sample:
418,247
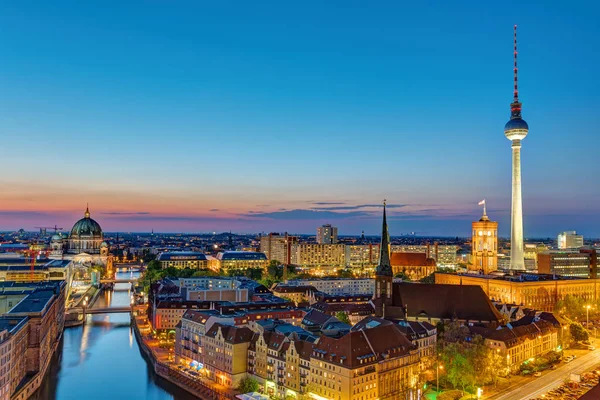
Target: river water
101,360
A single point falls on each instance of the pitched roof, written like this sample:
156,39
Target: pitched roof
364,347
402,259
464,302
231,334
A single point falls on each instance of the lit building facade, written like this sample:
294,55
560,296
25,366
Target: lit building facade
538,292
277,247
327,234
241,260
484,243
569,240
183,259
443,254
565,263
327,257
360,257
338,286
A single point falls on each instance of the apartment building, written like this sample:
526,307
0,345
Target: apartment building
226,354
278,247
314,256
375,362
241,260
360,257
338,286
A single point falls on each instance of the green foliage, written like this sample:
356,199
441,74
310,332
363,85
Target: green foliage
402,275
428,279
344,273
248,385
252,273
467,361
578,333
342,316
450,395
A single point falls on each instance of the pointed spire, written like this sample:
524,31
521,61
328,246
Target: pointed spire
515,106
87,210
384,267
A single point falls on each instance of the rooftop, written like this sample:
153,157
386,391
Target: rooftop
36,302
241,255
181,256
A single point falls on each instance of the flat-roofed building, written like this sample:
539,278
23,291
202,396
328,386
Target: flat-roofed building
565,263
338,286
569,240
183,259
14,337
443,254
313,256
327,234
361,257
277,247
241,260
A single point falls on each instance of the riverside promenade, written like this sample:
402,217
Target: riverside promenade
161,361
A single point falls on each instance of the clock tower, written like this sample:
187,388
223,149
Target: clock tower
484,254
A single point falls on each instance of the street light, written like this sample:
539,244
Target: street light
437,377
587,314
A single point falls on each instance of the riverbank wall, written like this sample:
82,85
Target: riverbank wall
174,376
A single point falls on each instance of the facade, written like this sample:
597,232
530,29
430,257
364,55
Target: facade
327,234
44,310
540,292
378,362
443,254
414,265
520,341
183,259
277,247
295,293
484,244
241,260
355,307
338,286
359,257
14,338
325,257
516,130
226,354
280,363
569,240
565,263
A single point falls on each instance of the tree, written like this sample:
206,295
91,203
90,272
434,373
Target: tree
344,273
578,334
248,385
428,279
343,317
402,275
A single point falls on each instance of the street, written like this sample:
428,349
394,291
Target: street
551,379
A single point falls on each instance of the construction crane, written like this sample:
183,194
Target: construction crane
44,228
35,250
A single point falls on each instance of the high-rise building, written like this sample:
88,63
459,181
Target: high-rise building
327,234
515,130
569,240
327,257
277,246
484,253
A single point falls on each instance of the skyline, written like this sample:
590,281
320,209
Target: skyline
209,118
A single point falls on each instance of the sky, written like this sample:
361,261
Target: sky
197,116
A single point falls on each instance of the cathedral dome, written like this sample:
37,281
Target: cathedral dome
56,238
86,227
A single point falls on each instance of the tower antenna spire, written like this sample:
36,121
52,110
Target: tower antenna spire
516,92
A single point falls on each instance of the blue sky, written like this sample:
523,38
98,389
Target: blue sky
201,116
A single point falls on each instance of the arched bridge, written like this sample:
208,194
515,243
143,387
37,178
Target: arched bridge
129,280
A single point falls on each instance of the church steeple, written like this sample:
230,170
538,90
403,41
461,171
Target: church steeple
384,268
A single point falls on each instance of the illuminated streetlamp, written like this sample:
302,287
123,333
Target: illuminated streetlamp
587,314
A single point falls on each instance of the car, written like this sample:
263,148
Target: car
554,366
568,359
537,374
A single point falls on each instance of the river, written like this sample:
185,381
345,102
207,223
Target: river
101,360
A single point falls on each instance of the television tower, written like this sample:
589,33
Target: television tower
515,130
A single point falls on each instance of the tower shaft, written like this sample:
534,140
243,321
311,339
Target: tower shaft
517,259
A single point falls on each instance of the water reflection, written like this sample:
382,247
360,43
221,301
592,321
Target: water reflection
102,360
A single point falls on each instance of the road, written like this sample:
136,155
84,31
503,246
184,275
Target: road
551,379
